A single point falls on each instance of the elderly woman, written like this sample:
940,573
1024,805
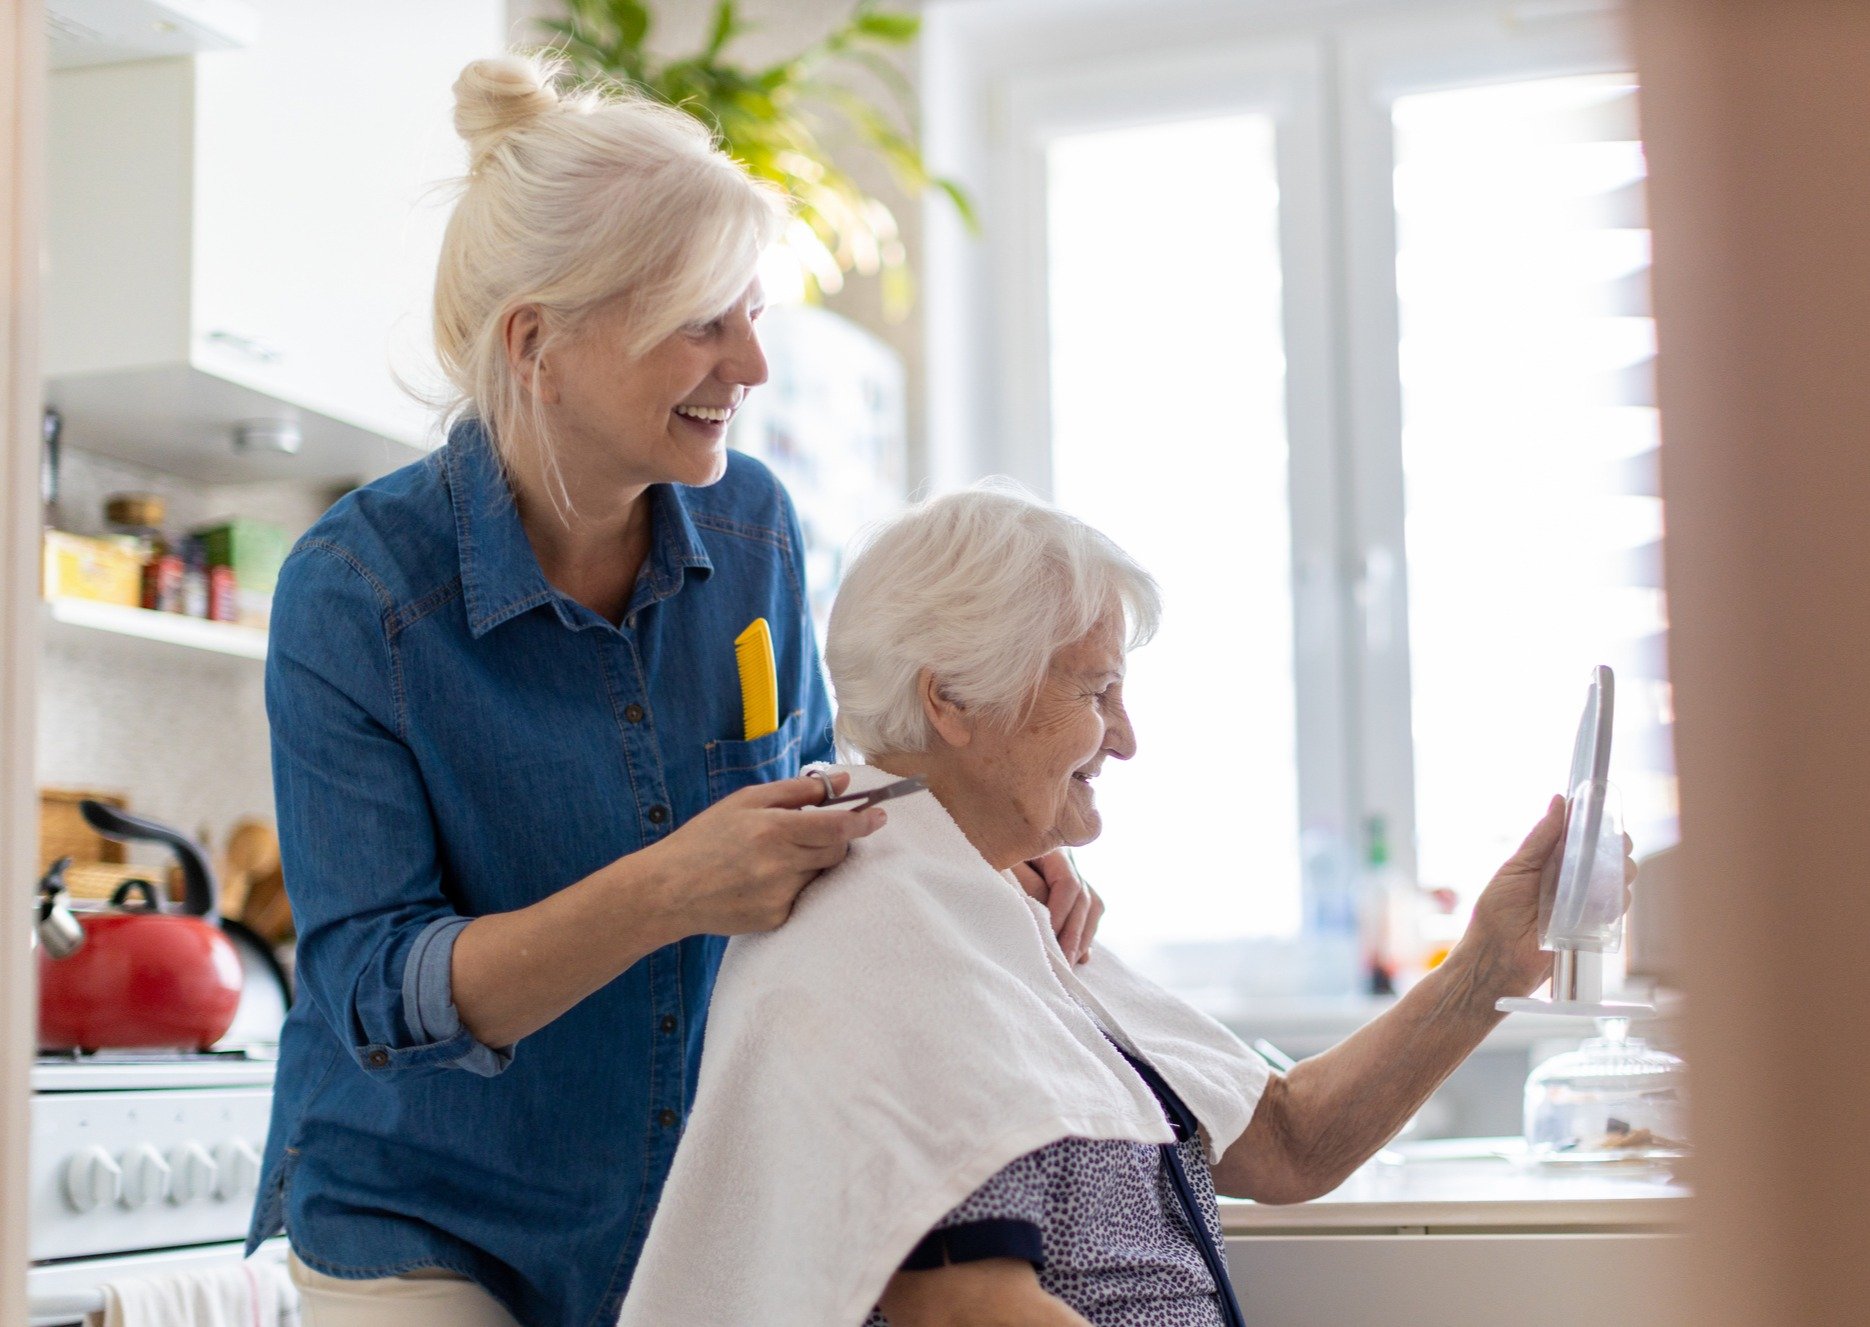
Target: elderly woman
912,1108
518,804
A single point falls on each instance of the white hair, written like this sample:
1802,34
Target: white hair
572,200
983,588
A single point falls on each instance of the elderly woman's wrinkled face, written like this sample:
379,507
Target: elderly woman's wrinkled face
1040,773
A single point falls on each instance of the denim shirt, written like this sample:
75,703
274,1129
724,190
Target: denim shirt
453,737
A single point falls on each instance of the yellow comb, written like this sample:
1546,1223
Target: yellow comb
759,680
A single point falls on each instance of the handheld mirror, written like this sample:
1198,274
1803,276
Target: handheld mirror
1581,901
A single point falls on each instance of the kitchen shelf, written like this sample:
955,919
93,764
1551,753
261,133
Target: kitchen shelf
71,617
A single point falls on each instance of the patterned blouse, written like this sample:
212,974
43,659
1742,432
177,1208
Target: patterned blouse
1104,1224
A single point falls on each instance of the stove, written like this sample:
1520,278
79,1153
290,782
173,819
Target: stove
140,1163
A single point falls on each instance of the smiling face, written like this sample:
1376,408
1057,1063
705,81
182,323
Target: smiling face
659,417
1028,787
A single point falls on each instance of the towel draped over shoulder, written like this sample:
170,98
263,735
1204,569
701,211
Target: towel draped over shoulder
911,1030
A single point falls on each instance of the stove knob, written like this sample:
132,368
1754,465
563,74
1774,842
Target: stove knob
92,1178
240,1169
193,1173
145,1177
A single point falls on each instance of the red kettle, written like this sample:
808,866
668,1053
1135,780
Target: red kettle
133,975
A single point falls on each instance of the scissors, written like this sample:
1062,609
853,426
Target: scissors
915,783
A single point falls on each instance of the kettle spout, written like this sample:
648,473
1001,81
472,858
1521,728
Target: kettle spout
57,929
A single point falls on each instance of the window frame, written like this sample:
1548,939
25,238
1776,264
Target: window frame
1285,81
1001,75
1379,62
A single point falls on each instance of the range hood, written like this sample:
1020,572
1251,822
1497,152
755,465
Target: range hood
99,32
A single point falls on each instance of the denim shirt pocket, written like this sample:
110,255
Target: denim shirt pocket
734,765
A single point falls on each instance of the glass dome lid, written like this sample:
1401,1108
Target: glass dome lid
1614,1099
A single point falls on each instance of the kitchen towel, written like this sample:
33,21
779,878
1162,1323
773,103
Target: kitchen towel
910,1031
254,1293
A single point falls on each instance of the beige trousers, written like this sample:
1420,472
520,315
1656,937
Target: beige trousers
421,1299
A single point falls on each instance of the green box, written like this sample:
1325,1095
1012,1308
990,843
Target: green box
254,549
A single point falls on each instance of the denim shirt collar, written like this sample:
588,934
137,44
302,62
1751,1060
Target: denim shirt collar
500,574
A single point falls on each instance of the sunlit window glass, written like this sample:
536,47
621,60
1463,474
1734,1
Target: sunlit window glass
1533,522
1168,433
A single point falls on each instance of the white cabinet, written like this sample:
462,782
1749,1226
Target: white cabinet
251,235
1463,1233
1484,1278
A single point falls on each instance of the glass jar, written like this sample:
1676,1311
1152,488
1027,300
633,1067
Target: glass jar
1614,1099
138,518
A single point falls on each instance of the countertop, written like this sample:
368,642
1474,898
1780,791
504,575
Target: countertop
1475,1185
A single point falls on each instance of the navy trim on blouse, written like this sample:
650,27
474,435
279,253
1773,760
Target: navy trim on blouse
1183,1122
974,1241
1181,1119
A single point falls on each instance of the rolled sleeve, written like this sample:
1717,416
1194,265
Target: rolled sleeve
429,1002
357,837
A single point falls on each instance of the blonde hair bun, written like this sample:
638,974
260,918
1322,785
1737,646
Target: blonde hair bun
494,97
580,196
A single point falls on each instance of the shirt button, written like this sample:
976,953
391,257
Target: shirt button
658,814
667,1118
668,1022
633,712
377,1059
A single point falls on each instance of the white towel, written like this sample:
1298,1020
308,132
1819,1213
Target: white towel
243,1294
910,1031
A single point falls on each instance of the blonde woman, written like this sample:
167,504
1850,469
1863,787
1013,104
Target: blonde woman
517,807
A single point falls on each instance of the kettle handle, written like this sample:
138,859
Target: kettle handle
52,883
197,882
120,897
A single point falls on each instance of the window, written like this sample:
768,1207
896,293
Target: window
1341,326
1533,524
1166,342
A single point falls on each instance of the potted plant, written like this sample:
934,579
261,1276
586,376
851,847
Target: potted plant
775,119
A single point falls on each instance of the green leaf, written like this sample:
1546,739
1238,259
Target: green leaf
725,26
769,118
890,74
899,290
781,75
632,20
897,29
586,57
962,203
591,15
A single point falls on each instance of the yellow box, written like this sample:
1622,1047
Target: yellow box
79,567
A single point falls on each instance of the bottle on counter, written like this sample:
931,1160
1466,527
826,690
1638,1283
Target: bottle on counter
1391,917
162,583
1333,920
223,594
134,521
194,577
51,428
